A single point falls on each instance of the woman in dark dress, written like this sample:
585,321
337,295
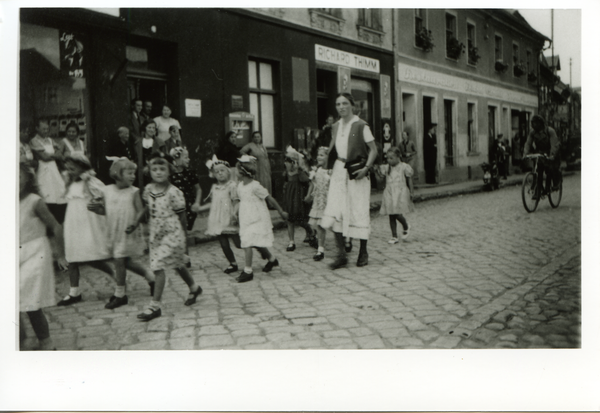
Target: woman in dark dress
227,150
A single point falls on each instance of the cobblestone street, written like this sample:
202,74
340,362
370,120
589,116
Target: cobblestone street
476,272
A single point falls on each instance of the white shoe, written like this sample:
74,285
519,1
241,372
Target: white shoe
393,241
405,233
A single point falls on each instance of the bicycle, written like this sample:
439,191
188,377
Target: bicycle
528,189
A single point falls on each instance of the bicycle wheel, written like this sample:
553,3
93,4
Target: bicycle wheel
528,192
554,197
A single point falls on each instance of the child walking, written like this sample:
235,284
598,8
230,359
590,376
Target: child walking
223,207
122,202
318,193
397,196
294,194
187,182
85,231
36,275
168,238
256,229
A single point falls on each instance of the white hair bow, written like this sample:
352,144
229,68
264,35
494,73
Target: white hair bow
292,153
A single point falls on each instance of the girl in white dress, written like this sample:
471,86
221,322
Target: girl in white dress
256,229
397,196
36,275
122,202
222,218
85,231
318,194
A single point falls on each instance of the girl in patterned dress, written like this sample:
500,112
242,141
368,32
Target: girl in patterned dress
222,218
166,206
187,182
318,193
397,196
122,202
85,231
294,194
256,229
36,275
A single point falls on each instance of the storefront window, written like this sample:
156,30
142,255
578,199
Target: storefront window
262,99
362,92
52,79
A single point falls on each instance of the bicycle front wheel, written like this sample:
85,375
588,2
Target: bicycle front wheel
555,196
528,192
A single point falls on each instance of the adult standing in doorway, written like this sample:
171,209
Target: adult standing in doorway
146,113
408,150
135,118
348,199
144,148
430,154
228,150
50,183
163,123
257,149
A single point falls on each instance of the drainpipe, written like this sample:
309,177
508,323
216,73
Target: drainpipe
398,95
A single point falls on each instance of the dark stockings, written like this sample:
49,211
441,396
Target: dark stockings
393,218
224,241
39,323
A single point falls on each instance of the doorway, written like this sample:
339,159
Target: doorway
326,92
449,131
148,89
429,142
491,132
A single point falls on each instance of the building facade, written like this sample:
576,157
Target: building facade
279,71
474,74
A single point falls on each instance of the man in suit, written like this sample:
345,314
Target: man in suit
135,119
146,113
430,154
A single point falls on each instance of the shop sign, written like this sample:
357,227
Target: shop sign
71,54
341,58
193,108
385,93
237,102
426,77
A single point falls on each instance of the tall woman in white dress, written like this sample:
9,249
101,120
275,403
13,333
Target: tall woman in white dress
348,200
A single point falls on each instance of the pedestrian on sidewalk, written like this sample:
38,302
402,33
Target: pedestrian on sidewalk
168,240
36,275
297,180
122,203
224,205
256,228
317,192
353,153
397,196
85,231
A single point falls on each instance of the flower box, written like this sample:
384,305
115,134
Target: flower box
424,40
500,66
454,48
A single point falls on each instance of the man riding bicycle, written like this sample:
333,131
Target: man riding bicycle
543,140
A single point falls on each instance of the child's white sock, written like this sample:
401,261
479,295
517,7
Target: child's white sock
248,270
154,304
321,249
120,291
74,291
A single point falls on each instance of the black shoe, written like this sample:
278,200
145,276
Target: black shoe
338,263
230,269
147,317
270,266
69,300
291,247
363,259
348,247
318,256
307,239
151,284
245,277
115,302
314,242
193,296
188,264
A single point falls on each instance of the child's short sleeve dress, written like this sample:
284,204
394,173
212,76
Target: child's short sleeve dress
167,236
36,272
85,231
396,195
221,219
256,228
320,188
120,214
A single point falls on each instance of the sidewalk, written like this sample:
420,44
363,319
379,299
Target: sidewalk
422,193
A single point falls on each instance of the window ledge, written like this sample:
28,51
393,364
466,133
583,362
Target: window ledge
325,21
470,153
368,34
